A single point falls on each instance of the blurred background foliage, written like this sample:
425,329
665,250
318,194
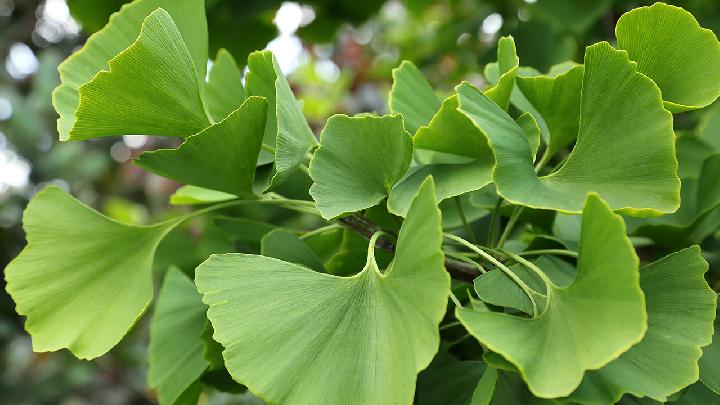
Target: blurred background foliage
338,55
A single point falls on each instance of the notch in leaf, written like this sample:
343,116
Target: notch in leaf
553,350
83,279
349,340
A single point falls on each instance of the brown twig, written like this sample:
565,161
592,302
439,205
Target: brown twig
366,228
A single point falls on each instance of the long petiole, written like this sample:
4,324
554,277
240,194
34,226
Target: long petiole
499,265
463,218
559,252
493,222
509,226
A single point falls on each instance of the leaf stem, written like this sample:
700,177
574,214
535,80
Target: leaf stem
493,222
559,252
511,223
499,265
463,218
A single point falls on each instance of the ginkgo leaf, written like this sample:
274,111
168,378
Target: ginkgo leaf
553,350
672,49
450,180
681,310
450,131
531,129
224,91
120,33
287,246
83,279
412,96
329,339
286,129
191,195
358,162
557,99
177,350
150,88
508,69
621,114
222,157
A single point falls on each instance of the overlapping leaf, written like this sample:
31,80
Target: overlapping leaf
672,49
710,362
177,349
354,340
358,162
623,129
286,129
557,99
221,157
412,96
508,69
224,91
681,310
553,350
83,279
131,81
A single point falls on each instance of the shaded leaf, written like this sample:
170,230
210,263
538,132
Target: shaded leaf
176,353
224,91
289,247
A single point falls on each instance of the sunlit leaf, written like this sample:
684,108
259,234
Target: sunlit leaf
354,340
185,33
508,69
681,310
621,114
176,353
83,279
221,157
412,96
672,49
191,195
553,350
358,162
224,91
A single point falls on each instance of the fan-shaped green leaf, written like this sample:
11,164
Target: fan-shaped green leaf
671,48
121,32
553,350
224,91
621,114
557,99
83,279
150,88
221,157
354,340
681,310
286,129
358,162
532,131
412,96
177,349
